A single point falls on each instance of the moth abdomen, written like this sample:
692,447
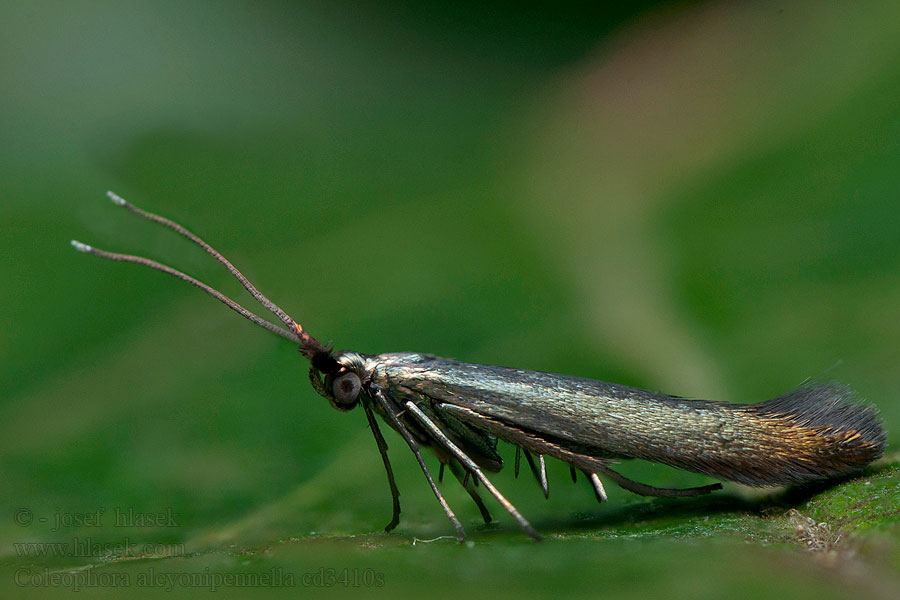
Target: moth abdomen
823,431
815,432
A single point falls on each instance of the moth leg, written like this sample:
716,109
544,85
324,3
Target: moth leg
545,487
642,489
525,439
414,446
463,476
598,487
588,464
469,464
383,448
540,473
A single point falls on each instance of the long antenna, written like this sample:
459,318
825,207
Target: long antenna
184,277
309,346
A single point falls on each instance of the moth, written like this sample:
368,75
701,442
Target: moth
460,411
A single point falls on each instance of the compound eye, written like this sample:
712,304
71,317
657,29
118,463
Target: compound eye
346,388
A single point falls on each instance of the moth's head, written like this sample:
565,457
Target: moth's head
338,377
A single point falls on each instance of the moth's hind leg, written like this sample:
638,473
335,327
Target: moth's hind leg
468,484
642,489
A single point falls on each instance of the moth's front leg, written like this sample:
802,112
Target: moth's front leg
387,406
382,449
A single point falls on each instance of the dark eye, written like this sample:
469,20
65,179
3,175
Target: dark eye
346,388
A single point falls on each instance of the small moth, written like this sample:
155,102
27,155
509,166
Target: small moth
460,411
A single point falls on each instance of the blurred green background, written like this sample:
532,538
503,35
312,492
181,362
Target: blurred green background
699,198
